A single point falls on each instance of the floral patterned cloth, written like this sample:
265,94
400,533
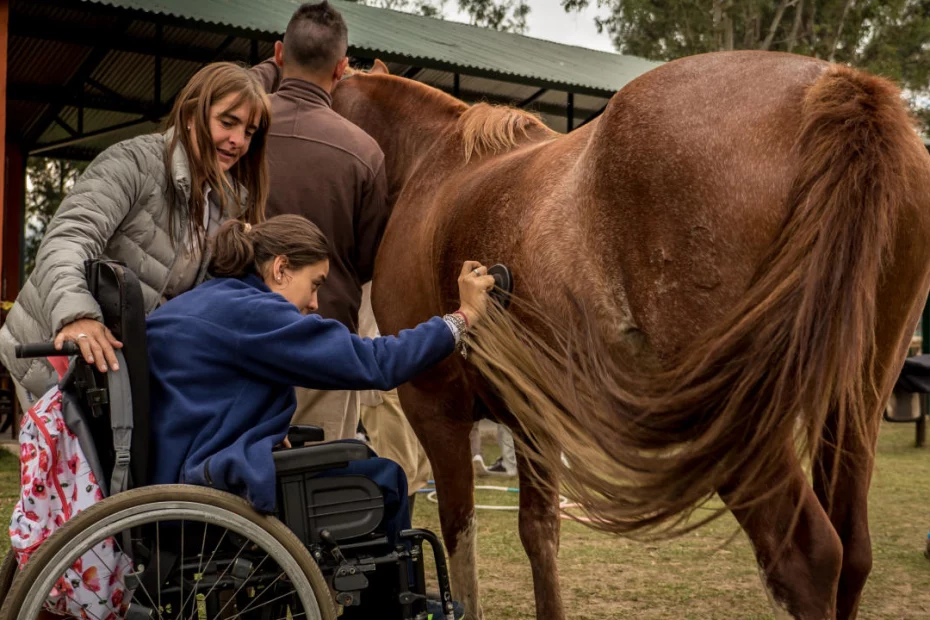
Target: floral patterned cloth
56,484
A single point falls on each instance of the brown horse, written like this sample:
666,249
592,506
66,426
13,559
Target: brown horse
718,237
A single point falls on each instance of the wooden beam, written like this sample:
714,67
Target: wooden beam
114,39
156,87
13,205
5,219
593,116
53,95
68,128
570,111
39,149
471,96
539,93
73,85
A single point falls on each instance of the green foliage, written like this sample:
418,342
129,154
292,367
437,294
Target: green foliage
889,38
505,15
48,181
429,8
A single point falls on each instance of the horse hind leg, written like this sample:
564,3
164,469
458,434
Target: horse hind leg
801,575
540,523
847,505
848,511
444,436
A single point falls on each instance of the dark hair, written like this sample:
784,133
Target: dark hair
247,181
240,247
316,38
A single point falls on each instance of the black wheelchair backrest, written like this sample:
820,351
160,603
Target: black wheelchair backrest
119,295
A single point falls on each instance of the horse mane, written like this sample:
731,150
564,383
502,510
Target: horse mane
487,128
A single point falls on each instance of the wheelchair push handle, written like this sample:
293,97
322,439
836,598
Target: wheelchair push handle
46,349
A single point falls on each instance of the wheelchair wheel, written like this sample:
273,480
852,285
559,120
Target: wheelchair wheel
207,555
7,572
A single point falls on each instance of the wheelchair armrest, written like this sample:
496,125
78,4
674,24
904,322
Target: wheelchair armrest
319,457
299,434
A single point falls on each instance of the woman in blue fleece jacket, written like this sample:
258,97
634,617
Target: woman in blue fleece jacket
225,356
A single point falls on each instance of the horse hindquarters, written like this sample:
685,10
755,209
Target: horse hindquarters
804,340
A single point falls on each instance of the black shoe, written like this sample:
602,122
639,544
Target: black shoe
498,469
498,466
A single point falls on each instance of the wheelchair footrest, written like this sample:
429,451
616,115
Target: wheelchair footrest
416,538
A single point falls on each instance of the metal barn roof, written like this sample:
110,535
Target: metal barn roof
83,74
425,41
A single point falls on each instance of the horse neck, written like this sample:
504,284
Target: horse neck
427,135
411,128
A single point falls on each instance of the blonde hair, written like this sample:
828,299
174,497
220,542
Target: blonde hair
488,129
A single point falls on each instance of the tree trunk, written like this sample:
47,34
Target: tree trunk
775,23
728,32
839,29
795,26
811,31
747,27
728,42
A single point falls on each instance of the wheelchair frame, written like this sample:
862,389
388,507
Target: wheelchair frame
325,535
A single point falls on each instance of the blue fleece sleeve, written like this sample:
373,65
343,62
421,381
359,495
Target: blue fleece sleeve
280,344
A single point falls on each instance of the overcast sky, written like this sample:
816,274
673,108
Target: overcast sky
547,20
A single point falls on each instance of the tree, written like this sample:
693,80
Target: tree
505,15
429,8
48,181
890,38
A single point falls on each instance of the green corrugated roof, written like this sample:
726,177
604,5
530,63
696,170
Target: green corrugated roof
422,41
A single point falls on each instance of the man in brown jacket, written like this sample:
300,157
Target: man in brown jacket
325,168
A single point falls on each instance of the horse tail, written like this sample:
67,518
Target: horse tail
644,450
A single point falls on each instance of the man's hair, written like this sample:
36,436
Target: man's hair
316,38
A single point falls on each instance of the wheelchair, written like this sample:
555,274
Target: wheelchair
199,553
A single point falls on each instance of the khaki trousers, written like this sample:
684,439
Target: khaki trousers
336,412
393,438
391,435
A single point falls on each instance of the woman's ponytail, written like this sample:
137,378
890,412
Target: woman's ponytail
233,250
239,247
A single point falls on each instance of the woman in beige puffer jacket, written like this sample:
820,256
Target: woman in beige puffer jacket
149,202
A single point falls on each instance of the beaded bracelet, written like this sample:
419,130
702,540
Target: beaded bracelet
457,324
464,318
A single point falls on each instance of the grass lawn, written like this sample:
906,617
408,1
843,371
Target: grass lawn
696,576
693,577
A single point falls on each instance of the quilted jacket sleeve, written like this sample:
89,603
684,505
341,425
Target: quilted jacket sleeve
90,213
